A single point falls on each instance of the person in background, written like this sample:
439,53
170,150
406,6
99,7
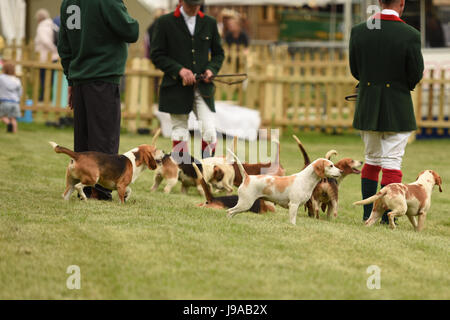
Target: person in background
225,16
93,56
387,61
44,43
186,43
235,34
435,37
10,94
148,36
56,25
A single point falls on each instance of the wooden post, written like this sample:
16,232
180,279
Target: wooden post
268,95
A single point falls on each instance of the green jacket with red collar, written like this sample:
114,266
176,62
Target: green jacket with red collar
174,48
388,63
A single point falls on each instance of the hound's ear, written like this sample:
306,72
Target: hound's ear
147,157
218,174
319,168
437,180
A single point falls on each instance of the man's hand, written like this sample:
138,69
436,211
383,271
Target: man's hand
70,103
207,76
187,77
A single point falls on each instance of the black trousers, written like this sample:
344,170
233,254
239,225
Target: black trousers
97,118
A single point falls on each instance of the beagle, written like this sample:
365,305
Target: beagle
326,193
227,175
259,206
289,192
115,172
170,170
412,200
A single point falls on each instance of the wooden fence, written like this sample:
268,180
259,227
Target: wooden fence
432,100
303,89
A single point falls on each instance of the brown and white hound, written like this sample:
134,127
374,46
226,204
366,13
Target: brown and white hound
412,200
114,172
226,175
326,194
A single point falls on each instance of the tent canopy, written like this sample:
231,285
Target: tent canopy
170,4
12,19
295,3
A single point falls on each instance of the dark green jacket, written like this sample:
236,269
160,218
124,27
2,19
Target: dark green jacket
388,64
173,48
97,50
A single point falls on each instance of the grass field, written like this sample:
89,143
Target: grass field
161,246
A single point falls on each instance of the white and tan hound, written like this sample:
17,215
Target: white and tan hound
412,200
288,192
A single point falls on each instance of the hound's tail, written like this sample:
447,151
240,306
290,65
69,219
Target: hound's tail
208,195
372,199
330,154
59,149
303,151
240,166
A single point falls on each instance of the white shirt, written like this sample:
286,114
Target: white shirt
10,88
190,21
43,41
390,12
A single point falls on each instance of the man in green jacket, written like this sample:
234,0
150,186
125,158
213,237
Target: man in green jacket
93,46
386,58
185,44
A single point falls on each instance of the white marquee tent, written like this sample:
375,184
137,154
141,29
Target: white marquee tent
167,4
295,3
12,19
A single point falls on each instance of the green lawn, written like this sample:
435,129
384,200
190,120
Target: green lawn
163,247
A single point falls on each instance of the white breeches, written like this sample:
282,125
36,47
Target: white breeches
385,149
206,118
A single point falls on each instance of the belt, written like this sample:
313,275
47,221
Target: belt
387,84
10,101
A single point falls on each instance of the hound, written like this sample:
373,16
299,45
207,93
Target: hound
259,206
288,192
227,175
326,193
172,171
412,200
114,172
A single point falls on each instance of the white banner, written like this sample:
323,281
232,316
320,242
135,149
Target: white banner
12,19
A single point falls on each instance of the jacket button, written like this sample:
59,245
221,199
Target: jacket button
368,84
193,50
193,62
388,85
